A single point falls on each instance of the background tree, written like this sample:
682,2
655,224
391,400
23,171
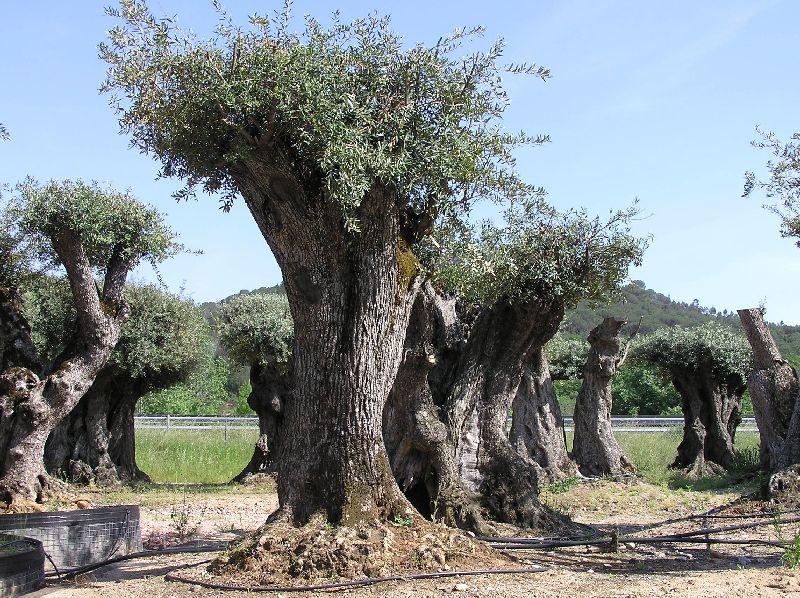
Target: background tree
165,339
783,183
257,331
89,231
775,390
345,143
595,449
514,282
708,366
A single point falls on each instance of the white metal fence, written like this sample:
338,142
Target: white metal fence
620,424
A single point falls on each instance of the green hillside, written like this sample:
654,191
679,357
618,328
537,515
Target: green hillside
657,311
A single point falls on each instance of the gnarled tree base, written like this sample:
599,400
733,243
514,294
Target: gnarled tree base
280,553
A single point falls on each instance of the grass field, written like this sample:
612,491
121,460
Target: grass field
193,456
206,457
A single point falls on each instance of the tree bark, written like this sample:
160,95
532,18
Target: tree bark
595,449
96,442
537,425
774,390
350,296
421,450
30,406
488,378
16,345
270,390
711,414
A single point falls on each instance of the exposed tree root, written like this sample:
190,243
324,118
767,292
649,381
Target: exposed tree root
280,553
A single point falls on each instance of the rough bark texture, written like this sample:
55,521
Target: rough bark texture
30,406
595,449
537,426
271,389
774,389
350,297
420,447
486,382
95,443
711,414
16,346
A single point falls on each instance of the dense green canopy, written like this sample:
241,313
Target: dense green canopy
109,224
256,328
566,357
538,254
165,338
710,347
344,107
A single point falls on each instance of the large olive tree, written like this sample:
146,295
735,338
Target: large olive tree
345,144
477,353
256,330
163,341
708,366
90,232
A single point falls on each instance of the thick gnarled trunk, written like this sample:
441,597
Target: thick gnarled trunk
595,449
421,450
537,425
774,390
488,377
711,414
270,390
30,406
96,442
350,296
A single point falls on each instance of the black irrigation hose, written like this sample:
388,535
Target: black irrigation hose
72,573
651,540
543,543
354,583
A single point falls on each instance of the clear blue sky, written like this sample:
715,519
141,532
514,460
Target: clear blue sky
651,100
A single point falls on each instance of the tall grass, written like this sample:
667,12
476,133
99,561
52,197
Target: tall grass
193,456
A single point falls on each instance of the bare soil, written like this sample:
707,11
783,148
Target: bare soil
172,514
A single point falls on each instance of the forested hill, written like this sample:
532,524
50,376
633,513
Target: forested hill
657,311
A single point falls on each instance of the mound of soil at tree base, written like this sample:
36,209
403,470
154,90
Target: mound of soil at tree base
280,554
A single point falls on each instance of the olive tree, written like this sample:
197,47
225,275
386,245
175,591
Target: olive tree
477,352
163,341
256,330
708,366
594,448
345,144
775,390
783,183
90,232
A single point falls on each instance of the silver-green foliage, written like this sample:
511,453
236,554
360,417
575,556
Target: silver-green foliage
345,107
108,223
256,328
166,336
711,347
164,339
538,255
783,183
566,356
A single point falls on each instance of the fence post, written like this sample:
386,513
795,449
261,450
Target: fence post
226,429
169,423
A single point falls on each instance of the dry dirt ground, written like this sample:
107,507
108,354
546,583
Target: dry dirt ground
170,514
